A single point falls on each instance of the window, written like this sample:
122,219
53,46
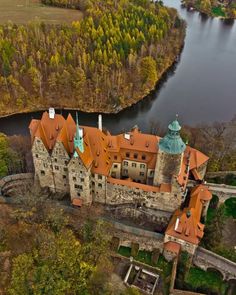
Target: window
127,155
74,178
99,176
151,172
126,163
64,176
115,157
65,169
42,172
80,187
78,194
115,166
134,165
125,171
76,186
56,167
93,183
66,162
143,157
36,155
141,173
82,179
55,160
45,165
100,185
142,166
136,156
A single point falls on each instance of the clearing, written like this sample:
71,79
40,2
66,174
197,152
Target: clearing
23,11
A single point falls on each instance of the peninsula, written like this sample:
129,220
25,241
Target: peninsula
105,62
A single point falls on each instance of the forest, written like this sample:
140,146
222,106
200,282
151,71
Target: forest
107,61
45,248
225,9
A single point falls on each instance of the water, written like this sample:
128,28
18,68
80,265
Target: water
201,88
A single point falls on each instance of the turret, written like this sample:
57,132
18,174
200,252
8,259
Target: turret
78,139
170,154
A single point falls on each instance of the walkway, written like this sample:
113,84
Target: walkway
206,259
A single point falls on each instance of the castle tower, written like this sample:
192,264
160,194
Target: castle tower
170,155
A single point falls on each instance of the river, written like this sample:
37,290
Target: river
201,88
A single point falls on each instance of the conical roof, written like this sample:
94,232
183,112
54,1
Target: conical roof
172,142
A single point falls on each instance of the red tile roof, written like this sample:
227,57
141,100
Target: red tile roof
186,225
101,149
172,247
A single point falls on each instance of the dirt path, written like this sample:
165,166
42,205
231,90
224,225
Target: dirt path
23,11
229,233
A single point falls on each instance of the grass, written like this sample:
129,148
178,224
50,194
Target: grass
210,281
230,207
218,11
211,210
23,11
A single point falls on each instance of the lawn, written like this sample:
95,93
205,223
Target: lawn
210,281
23,11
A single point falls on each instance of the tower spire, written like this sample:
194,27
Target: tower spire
78,139
172,142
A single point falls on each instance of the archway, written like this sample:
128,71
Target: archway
230,207
232,287
216,273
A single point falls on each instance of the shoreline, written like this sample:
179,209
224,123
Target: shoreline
117,110
194,9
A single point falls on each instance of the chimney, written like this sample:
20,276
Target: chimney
51,113
100,122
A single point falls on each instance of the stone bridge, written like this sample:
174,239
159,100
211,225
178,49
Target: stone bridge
223,191
13,183
206,259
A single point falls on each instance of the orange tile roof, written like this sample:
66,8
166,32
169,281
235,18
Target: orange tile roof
47,129
66,135
77,202
197,158
186,224
101,150
172,247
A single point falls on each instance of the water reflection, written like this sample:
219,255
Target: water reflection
200,88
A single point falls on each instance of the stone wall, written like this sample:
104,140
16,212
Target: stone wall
99,188
166,166
147,240
60,160
164,201
185,246
79,181
43,165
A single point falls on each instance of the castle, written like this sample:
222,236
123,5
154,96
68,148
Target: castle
131,168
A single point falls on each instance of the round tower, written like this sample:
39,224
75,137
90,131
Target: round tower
170,155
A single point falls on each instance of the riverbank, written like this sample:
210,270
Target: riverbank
219,10
115,67
164,77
